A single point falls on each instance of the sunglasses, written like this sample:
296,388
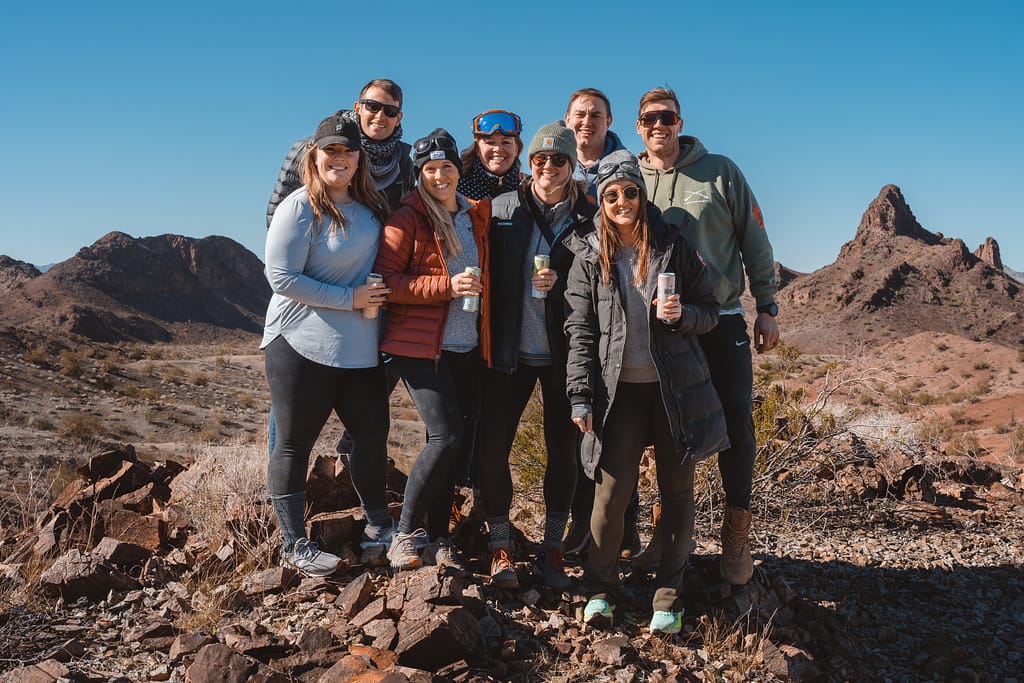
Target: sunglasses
434,142
612,196
497,121
608,168
666,117
390,110
557,160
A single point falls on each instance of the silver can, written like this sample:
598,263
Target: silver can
540,262
666,288
471,303
372,311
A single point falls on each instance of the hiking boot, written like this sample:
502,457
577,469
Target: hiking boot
578,538
444,555
305,557
551,568
736,565
455,517
598,613
403,553
666,622
372,537
503,569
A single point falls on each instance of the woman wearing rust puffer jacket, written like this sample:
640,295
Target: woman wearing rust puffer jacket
437,344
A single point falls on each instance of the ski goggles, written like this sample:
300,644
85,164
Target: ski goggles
609,168
439,142
497,121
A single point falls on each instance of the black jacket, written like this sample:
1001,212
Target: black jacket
511,229
290,177
596,332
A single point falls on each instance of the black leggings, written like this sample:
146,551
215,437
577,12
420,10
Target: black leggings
303,394
446,393
504,398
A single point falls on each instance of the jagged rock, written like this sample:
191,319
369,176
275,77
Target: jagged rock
382,659
48,671
860,482
332,530
382,632
151,628
989,253
789,663
329,488
107,464
921,514
147,531
375,610
445,635
74,575
355,596
614,650
187,644
68,650
271,580
217,663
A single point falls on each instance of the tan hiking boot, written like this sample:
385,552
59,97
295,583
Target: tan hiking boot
736,565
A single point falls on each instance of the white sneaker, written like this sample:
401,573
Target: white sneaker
310,560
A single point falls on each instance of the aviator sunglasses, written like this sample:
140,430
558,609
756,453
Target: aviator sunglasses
557,160
612,196
390,110
497,121
666,117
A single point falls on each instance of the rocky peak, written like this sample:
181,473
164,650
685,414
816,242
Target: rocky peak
890,215
989,253
13,272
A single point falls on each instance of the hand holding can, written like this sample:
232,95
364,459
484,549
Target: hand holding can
666,288
471,302
371,279
540,262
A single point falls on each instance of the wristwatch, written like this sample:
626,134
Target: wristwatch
771,309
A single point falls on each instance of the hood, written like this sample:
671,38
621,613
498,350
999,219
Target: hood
691,150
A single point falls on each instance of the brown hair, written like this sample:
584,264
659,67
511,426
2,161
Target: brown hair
440,219
471,159
387,85
658,95
589,92
609,241
361,188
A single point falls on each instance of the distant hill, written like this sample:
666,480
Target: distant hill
151,289
895,279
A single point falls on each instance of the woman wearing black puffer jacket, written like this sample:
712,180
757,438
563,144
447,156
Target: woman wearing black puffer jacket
634,378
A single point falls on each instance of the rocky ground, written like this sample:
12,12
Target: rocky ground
878,559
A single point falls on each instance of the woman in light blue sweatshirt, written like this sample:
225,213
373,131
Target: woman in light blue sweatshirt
320,347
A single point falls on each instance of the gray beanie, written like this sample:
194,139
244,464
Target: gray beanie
554,137
619,165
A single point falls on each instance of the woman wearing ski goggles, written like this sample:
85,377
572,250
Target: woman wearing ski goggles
491,163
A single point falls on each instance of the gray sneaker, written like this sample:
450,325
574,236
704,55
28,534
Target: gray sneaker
445,556
372,537
403,553
305,557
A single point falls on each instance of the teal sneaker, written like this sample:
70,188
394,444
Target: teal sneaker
598,613
666,622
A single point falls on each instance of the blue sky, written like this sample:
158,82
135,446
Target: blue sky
174,117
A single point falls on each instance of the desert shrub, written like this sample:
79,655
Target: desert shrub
208,434
941,346
172,374
199,378
70,364
529,456
130,389
149,394
981,365
964,444
80,427
36,356
40,423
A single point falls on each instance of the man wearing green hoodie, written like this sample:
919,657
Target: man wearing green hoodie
708,195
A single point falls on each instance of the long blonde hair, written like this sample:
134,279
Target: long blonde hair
361,188
441,220
610,240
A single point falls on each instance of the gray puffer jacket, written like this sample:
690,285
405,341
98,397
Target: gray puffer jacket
596,330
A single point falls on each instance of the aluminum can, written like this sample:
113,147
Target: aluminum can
666,287
540,262
372,311
471,303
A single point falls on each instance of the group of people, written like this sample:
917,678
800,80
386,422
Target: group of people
611,280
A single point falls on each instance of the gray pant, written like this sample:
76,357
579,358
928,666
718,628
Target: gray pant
638,418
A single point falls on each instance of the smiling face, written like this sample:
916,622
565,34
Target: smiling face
589,118
440,178
549,180
377,125
659,139
336,165
621,211
497,152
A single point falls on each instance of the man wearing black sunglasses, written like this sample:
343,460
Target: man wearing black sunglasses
378,111
726,226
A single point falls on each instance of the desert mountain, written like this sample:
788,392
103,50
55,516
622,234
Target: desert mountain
895,279
164,288
13,272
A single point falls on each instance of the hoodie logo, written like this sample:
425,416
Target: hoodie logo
696,197
758,216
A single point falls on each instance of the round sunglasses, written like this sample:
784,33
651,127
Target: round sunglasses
612,196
